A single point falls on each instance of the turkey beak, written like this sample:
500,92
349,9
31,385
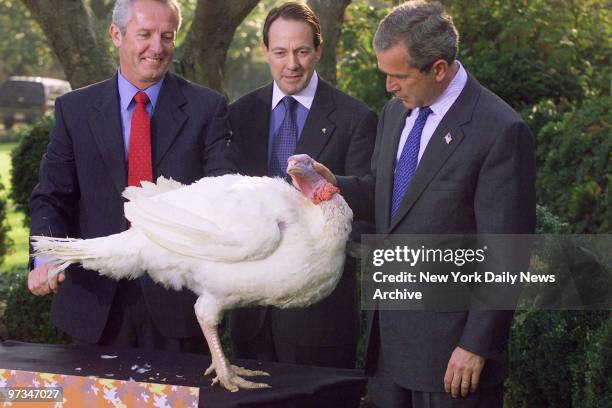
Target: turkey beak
296,172
294,169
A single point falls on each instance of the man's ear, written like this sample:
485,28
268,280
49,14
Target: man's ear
115,34
319,51
440,68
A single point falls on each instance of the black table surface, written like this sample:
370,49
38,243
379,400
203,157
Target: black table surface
292,385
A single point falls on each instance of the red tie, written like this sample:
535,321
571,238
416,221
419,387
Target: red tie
139,155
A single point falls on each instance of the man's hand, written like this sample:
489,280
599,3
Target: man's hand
325,172
463,372
39,281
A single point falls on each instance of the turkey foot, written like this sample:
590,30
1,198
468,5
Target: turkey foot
227,375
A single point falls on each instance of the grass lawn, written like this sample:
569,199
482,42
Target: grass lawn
18,254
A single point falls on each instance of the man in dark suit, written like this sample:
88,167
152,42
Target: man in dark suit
331,127
450,158
141,124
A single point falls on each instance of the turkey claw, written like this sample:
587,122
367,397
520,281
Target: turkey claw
240,371
249,373
235,383
230,379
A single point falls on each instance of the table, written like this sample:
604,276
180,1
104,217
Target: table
292,385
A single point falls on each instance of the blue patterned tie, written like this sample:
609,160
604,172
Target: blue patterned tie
407,163
285,140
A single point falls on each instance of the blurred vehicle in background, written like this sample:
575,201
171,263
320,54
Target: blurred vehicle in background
23,98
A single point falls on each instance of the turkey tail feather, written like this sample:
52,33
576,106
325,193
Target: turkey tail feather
108,255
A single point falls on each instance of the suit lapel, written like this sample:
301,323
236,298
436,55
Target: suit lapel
259,122
438,150
168,118
388,166
318,128
105,125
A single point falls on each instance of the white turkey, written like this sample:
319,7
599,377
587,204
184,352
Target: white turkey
235,241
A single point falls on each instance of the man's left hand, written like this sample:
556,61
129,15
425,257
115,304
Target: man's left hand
463,372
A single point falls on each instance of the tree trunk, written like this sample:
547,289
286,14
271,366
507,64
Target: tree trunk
101,8
71,32
331,15
209,38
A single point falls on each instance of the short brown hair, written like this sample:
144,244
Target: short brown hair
424,28
298,12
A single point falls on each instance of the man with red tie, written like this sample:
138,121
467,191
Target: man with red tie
142,123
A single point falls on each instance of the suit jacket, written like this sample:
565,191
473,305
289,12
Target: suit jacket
339,132
83,174
481,182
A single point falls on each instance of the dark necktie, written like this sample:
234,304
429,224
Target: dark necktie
139,154
407,163
285,140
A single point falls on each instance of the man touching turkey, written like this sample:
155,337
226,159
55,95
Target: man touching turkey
141,123
450,158
301,113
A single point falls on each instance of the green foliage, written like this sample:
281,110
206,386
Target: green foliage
527,51
25,159
545,111
23,47
513,48
358,74
244,56
597,382
27,317
552,353
518,77
574,166
5,241
548,223
187,11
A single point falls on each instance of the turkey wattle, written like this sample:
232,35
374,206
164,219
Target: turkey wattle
235,241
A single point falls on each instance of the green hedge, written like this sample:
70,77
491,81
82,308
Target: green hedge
558,359
519,77
597,384
549,223
574,166
25,158
26,317
5,241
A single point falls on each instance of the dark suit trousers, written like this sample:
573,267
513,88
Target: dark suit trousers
383,392
129,325
264,347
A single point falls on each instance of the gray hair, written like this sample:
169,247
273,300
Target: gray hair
122,12
424,28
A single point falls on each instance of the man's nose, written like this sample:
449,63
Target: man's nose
155,44
293,63
391,84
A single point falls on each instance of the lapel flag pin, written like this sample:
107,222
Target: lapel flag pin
448,138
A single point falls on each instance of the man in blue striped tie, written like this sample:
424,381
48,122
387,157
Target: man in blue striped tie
299,112
450,158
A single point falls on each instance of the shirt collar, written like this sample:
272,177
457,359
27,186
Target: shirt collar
127,91
304,97
451,93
